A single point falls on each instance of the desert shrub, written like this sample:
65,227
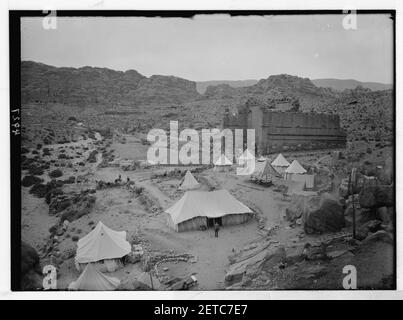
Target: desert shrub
28,181
72,118
74,238
62,156
39,190
92,157
24,150
70,180
35,152
144,142
39,146
52,193
36,171
56,173
47,140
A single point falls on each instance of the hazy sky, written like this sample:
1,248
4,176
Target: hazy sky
219,47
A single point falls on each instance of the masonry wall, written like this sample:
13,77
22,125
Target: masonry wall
282,131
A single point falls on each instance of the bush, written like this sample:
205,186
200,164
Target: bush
39,190
36,171
30,181
56,173
24,150
62,156
53,193
70,180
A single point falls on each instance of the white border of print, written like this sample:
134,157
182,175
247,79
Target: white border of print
5,292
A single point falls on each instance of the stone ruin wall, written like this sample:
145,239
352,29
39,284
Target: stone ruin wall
283,131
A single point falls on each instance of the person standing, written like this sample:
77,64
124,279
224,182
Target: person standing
216,229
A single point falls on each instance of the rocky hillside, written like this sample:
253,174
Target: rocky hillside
277,87
203,85
85,86
343,84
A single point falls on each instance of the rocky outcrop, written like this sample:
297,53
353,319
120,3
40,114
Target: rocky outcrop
85,86
222,91
165,89
31,278
323,214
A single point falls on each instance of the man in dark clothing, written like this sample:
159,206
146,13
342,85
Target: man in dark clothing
216,229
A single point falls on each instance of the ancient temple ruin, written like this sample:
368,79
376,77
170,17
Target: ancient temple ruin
277,130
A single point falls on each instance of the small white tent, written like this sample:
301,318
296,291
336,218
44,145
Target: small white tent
280,164
197,208
264,170
102,243
93,280
189,182
222,163
295,168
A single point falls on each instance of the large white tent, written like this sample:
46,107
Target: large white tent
189,182
196,208
93,280
102,243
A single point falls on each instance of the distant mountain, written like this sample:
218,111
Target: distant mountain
202,86
85,86
340,84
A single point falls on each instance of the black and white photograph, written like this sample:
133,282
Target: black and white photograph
203,151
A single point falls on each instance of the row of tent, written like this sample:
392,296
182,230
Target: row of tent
280,167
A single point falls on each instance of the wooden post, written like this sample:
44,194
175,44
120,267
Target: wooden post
352,180
151,279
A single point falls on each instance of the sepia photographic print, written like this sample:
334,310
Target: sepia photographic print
203,151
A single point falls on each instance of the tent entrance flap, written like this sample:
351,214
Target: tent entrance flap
211,222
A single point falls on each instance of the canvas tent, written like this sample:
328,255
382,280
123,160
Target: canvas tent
189,182
198,209
280,164
222,163
264,170
92,279
102,243
295,168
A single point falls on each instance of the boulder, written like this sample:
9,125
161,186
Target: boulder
31,277
377,196
324,214
380,235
